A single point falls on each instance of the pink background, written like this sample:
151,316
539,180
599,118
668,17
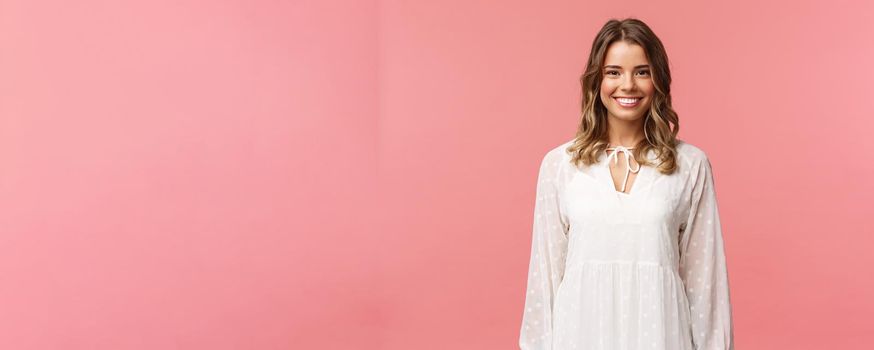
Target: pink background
360,174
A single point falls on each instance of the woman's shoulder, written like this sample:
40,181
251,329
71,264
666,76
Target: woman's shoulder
556,158
559,152
690,152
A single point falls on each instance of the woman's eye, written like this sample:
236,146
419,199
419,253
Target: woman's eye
613,72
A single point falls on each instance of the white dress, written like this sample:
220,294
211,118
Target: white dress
617,271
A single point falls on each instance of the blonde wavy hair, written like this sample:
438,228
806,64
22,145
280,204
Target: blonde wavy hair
661,124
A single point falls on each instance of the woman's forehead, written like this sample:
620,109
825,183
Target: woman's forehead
625,55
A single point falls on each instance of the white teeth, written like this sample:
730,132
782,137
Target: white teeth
627,101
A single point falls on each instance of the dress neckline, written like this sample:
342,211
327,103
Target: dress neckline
628,170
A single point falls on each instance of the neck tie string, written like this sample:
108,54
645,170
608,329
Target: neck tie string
628,156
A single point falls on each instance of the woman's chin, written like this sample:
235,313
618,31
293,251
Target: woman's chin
628,116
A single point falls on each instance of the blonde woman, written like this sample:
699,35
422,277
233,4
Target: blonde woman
627,249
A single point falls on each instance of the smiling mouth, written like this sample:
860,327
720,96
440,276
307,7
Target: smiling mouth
628,101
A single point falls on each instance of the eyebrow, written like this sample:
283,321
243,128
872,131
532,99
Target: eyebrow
640,66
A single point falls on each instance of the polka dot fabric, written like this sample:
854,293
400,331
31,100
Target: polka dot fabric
626,271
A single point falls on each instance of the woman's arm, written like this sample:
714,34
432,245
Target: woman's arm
703,267
548,253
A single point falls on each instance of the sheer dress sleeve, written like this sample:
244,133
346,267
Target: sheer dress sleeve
548,253
703,265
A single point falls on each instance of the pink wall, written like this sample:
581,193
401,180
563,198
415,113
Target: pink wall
171,173
360,175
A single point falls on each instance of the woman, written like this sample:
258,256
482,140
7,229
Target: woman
627,249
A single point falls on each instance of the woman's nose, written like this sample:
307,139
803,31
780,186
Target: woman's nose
628,83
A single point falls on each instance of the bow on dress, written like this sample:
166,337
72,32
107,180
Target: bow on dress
628,155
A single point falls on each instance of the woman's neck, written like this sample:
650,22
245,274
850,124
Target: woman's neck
627,133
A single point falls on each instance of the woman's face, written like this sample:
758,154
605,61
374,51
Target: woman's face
626,74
